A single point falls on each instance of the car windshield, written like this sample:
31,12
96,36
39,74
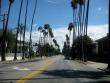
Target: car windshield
54,41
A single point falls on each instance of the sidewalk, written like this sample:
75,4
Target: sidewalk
20,61
97,65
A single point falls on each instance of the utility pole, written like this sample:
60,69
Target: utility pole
2,44
5,30
109,36
0,5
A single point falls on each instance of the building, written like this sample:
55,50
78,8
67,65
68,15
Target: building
103,48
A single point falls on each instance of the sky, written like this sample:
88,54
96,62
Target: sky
58,13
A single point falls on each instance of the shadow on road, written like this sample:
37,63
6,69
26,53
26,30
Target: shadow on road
99,82
78,74
71,74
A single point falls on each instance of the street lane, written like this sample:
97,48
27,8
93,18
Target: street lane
67,71
57,70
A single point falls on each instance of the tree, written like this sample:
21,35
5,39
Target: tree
109,38
56,44
70,27
67,38
18,27
40,30
25,26
0,6
30,40
46,28
10,40
21,33
5,32
81,13
40,42
74,7
65,50
78,45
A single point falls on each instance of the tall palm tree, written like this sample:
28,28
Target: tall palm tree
0,6
51,35
25,30
86,25
109,38
55,42
70,27
40,39
18,27
47,27
30,41
67,39
74,7
45,33
21,33
81,20
40,30
5,32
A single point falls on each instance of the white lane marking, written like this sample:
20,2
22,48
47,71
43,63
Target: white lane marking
19,68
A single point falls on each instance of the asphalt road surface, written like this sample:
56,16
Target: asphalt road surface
51,70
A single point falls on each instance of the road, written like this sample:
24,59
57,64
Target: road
51,70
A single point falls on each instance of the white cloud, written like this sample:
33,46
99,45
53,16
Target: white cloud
99,9
51,1
95,32
34,25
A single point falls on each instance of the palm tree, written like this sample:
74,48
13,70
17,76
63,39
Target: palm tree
5,32
74,7
21,33
51,35
40,39
70,27
45,36
109,37
40,29
45,33
74,4
0,6
47,27
18,27
67,39
30,41
25,30
55,42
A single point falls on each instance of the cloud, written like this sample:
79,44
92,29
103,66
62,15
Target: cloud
34,25
51,1
99,9
60,25
94,31
97,31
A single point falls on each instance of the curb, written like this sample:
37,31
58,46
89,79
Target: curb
20,61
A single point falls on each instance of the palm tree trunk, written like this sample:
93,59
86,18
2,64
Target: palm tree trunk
73,28
30,41
23,56
0,6
69,38
20,43
86,26
109,39
4,35
15,56
83,34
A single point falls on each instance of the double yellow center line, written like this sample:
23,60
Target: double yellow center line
34,73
